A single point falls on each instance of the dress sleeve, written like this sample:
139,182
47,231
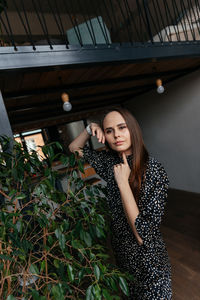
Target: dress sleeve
98,160
154,199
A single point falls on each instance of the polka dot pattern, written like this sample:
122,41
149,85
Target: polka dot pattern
149,263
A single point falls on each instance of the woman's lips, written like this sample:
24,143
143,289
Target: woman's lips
118,143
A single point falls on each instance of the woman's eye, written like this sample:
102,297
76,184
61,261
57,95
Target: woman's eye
108,131
122,127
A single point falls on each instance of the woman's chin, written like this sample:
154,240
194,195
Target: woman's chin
122,149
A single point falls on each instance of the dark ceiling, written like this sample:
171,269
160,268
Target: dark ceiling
32,98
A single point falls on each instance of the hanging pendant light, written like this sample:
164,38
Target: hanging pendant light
160,88
66,104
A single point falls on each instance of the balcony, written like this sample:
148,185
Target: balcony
100,52
68,28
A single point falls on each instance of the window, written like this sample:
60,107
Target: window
32,141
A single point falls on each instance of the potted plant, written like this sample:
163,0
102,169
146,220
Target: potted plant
53,243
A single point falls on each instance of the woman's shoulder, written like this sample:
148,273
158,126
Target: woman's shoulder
100,153
155,173
155,167
153,162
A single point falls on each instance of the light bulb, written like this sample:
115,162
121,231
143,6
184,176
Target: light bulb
67,106
160,89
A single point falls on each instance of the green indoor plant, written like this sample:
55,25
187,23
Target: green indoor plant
52,243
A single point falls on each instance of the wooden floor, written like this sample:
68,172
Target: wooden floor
181,232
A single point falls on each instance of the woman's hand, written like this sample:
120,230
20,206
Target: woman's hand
96,130
122,172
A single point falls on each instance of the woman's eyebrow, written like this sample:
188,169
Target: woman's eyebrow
108,128
117,126
121,124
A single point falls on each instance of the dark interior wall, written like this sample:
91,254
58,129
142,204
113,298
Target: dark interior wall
171,129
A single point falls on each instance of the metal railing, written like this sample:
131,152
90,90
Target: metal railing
81,22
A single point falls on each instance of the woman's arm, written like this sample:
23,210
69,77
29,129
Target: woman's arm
122,172
80,141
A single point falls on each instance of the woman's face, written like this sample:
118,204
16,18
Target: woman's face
116,132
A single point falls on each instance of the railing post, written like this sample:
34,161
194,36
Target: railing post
145,4
5,128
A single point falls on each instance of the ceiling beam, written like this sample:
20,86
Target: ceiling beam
30,107
25,58
76,100
41,119
81,85
62,119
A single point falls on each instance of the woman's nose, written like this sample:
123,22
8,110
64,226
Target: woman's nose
116,133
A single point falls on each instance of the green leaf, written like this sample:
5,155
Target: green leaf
81,166
6,257
92,255
19,225
42,266
69,256
106,295
113,284
50,239
77,244
96,292
65,225
11,297
72,160
36,295
26,245
102,255
89,295
98,232
47,172
70,273
61,237
87,238
19,197
56,263
97,272
74,174
81,274
58,145
64,160
12,192
33,269
71,194
58,293
123,285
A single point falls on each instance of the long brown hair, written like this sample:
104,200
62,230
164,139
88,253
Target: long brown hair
139,151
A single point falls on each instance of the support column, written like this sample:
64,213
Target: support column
5,128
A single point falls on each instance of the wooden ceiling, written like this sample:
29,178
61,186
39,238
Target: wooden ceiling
33,98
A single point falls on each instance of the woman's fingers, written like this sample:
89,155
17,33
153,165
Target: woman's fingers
93,130
98,133
93,127
124,158
96,130
101,140
100,136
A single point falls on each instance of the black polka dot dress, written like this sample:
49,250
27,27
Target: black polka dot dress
149,263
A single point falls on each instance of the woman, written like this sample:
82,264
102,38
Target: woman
137,190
